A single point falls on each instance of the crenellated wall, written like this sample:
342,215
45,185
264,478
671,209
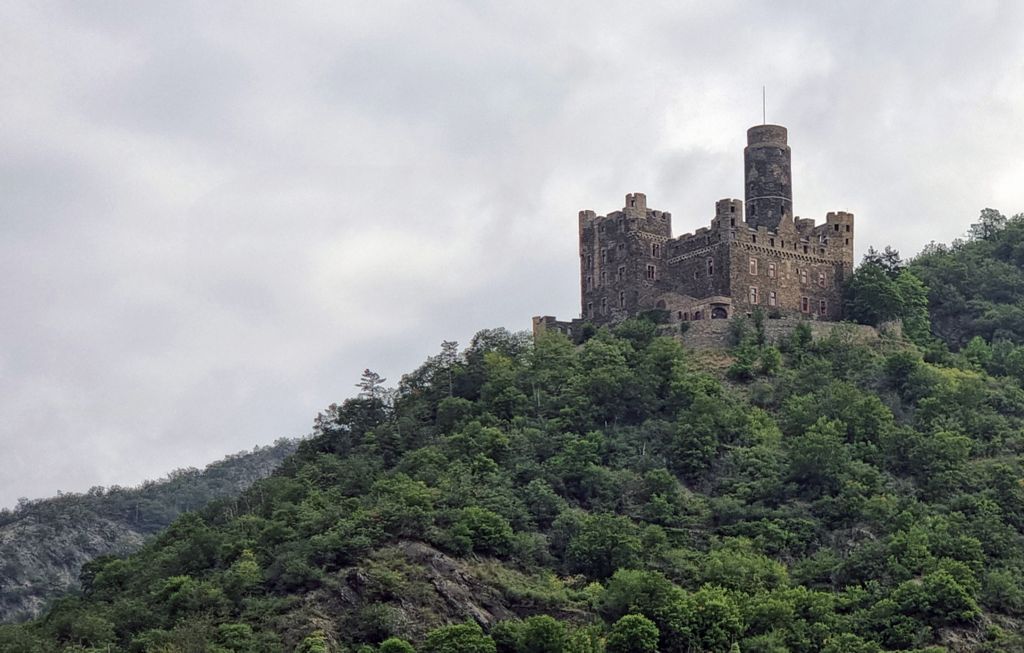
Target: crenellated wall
769,258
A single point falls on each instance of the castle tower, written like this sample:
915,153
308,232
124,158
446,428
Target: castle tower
768,176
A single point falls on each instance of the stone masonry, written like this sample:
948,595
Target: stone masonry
768,259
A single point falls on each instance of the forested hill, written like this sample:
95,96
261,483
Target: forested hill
44,543
624,495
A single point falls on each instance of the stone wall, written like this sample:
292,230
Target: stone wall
714,334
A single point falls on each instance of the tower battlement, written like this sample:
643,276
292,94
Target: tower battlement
754,253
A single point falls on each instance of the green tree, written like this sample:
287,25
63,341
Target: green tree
459,638
395,645
542,634
604,543
633,633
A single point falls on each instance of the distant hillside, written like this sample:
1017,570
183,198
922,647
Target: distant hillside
44,543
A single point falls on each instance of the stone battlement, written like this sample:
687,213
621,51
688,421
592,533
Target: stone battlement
752,254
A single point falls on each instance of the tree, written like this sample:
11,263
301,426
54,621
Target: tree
989,223
449,356
371,386
604,543
633,633
888,260
395,645
460,638
542,634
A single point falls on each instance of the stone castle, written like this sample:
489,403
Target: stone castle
766,258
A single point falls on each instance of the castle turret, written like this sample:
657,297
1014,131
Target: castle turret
769,180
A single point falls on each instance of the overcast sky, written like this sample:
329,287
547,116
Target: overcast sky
215,215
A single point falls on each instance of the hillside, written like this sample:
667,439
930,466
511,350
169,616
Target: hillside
44,543
825,496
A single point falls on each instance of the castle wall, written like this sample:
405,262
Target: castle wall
622,260
716,334
768,259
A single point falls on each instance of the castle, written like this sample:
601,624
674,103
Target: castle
765,259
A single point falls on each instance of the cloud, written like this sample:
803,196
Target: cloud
215,216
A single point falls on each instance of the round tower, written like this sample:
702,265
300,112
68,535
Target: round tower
768,176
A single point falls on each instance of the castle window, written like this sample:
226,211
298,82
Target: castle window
821,279
771,270
753,239
771,242
590,309
753,295
651,271
655,250
837,227
590,262
753,267
805,305
600,228
732,222
681,315
620,249
604,256
773,298
590,282
803,275
697,315
604,278
805,249
711,266
621,273
822,307
696,274
622,224
604,306
732,208
847,228
847,241
622,299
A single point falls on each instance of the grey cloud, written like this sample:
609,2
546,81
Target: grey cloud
215,216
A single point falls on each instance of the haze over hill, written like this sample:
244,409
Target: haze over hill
44,543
